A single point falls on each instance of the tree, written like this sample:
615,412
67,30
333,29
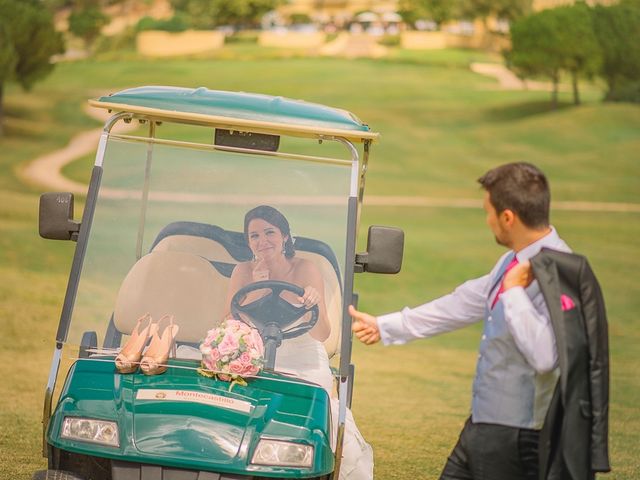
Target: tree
56,5
578,48
205,14
617,28
87,22
27,42
534,48
440,11
505,9
511,10
555,40
7,63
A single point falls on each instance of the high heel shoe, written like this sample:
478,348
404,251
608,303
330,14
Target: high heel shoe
130,354
155,358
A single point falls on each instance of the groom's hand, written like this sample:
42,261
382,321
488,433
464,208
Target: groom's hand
364,326
519,276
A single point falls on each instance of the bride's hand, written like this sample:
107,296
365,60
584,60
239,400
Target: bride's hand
260,271
310,297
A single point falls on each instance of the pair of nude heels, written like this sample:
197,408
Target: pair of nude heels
156,356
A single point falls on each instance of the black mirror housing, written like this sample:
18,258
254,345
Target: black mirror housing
385,248
56,217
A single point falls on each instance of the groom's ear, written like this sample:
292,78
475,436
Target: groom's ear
508,217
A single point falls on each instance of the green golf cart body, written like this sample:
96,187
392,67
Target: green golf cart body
161,232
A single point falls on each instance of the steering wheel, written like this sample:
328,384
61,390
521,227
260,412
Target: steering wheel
274,311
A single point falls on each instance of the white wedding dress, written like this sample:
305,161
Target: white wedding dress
306,358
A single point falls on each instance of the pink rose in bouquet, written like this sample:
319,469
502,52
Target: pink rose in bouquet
231,351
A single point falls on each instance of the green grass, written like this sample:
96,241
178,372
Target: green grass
442,126
450,58
424,115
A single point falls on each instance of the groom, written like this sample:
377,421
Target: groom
517,367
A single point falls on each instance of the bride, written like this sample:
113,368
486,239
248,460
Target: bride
269,237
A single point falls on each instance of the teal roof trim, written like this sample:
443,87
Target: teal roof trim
247,106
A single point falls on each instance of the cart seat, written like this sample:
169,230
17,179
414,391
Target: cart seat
176,283
224,249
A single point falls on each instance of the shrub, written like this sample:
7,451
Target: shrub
177,23
390,40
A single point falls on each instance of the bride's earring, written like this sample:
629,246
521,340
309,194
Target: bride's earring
284,248
253,258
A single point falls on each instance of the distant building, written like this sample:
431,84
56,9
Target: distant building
342,11
337,12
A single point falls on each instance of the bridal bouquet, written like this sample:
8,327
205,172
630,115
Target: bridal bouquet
231,351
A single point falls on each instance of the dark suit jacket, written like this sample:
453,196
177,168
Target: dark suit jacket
574,439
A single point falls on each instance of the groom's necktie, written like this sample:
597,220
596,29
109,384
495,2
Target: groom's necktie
512,264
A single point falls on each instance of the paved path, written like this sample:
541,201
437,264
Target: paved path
46,172
354,45
507,80
377,200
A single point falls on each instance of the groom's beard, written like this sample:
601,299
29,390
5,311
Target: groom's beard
502,238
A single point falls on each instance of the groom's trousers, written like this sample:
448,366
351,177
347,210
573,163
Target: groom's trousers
493,452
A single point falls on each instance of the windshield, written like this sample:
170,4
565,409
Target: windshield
168,233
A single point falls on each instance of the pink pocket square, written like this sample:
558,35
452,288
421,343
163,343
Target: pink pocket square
566,303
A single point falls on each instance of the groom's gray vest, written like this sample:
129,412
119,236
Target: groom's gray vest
506,389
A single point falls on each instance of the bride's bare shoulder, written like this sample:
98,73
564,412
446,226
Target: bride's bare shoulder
303,265
242,269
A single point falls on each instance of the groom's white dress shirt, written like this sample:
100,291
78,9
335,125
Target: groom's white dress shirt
526,313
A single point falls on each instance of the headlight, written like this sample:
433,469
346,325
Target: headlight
90,430
286,454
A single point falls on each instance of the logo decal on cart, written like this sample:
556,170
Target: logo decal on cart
195,397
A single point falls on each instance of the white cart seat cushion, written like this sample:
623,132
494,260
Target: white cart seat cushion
181,284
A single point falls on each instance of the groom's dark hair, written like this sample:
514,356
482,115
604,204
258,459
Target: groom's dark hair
522,188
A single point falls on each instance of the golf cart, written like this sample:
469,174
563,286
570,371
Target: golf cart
161,232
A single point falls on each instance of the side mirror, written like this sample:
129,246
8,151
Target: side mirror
385,246
56,217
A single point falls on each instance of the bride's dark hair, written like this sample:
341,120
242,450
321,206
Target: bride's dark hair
275,218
